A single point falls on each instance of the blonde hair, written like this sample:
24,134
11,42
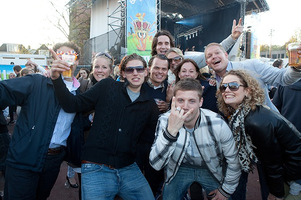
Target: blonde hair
214,44
256,94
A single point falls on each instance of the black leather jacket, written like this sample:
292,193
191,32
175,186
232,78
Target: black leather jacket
278,147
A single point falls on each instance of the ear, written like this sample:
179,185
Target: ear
226,54
122,74
145,72
201,102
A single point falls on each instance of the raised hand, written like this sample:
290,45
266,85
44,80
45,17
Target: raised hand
58,66
237,29
176,118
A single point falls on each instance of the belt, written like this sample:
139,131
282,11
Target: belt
88,162
55,151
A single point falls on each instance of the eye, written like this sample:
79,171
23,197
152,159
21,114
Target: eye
180,100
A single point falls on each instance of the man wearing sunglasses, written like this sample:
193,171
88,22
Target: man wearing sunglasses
194,145
217,59
39,141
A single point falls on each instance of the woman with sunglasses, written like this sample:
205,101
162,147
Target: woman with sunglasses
124,114
262,135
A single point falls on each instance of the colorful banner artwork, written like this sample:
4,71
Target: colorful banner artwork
141,26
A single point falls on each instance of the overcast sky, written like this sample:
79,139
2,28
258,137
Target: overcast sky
27,22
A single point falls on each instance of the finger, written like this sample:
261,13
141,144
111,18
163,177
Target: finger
188,113
54,55
173,103
234,23
239,22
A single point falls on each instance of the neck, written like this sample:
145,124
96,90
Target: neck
155,83
134,89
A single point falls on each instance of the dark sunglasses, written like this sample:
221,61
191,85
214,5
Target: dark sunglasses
233,86
104,54
130,70
176,59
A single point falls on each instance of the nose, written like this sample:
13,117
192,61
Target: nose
185,105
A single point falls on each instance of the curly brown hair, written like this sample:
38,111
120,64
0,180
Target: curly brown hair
155,40
256,94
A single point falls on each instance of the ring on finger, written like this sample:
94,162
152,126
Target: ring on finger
178,109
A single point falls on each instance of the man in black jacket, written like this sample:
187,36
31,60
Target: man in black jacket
38,143
124,115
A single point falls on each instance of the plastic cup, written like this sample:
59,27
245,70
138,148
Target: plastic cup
70,59
294,57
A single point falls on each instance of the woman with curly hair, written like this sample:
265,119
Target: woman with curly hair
261,135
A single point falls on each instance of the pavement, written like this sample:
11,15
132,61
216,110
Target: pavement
61,192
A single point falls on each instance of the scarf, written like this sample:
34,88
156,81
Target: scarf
243,141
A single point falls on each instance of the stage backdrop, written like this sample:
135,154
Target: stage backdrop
141,26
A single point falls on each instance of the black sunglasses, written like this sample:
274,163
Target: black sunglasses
130,70
233,86
104,54
176,59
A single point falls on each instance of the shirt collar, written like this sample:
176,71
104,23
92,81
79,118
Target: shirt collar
149,82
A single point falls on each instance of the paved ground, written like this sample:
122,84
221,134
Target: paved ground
60,192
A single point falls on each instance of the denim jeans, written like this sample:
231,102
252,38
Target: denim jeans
103,183
177,188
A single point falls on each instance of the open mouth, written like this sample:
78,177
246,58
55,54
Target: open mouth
217,62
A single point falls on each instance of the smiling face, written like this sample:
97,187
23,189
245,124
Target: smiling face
187,100
135,78
101,68
158,71
175,60
188,70
83,74
163,44
231,97
216,59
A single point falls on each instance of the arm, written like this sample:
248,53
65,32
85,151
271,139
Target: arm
15,91
229,150
226,43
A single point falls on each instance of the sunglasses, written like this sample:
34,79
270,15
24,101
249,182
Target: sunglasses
176,59
233,86
104,54
130,70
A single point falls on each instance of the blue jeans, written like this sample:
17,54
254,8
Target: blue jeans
177,188
102,183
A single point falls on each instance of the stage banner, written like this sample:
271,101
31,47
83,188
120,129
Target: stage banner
141,26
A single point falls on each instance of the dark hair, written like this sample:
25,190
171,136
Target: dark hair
131,57
188,60
159,56
189,84
155,40
17,68
78,74
68,44
277,63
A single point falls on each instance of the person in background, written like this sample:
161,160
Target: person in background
17,69
278,63
194,145
83,73
175,57
38,143
25,71
261,134
30,65
163,41
124,114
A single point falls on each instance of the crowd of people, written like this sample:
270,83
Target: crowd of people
158,130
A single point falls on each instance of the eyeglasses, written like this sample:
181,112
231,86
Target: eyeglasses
104,54
233,86
176,59
130,70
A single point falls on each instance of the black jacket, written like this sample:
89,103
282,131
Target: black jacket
34,128
278,147
118,125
